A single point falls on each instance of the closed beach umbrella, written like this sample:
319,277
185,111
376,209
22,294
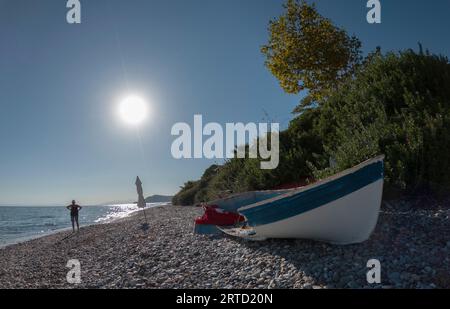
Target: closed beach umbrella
140,192
141,199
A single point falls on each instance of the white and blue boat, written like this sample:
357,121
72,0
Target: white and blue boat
342,209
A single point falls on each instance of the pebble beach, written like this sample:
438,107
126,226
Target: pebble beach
412,242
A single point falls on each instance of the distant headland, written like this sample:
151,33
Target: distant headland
158,199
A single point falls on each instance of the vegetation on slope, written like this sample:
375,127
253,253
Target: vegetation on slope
397,104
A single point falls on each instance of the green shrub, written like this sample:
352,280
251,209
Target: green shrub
397,104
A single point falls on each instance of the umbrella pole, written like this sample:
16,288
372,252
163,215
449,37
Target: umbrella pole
145,216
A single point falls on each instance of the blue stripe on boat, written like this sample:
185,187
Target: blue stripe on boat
314,198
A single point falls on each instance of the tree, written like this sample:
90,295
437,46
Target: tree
308,52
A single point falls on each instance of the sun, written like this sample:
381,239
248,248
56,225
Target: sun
133,110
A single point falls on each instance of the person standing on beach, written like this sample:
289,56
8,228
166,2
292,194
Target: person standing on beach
74,208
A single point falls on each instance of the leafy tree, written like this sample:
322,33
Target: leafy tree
397,104
308,52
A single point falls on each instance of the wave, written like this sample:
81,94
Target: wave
49,224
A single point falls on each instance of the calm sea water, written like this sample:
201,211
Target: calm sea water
22,223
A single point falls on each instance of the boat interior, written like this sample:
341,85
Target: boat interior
234,202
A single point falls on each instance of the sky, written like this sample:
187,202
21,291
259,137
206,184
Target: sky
60,85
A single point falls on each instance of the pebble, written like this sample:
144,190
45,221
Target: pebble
408,241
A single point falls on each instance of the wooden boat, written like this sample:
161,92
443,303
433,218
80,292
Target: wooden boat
342,209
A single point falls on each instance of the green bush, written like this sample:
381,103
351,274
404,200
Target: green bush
397,104
194,192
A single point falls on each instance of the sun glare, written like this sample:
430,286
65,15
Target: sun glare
133,110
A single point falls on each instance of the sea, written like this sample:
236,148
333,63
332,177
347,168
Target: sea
18,224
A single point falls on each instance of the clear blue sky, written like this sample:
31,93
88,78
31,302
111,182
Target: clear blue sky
60,84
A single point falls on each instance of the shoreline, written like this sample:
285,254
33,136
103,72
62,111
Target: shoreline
412,244
24,239
69,228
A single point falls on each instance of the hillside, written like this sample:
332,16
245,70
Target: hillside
158,199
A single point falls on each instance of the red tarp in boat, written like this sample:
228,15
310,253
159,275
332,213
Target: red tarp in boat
216,216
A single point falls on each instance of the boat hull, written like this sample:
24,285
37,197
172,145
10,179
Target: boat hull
342,209
206,229
348,220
